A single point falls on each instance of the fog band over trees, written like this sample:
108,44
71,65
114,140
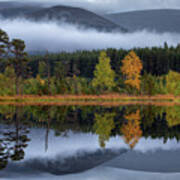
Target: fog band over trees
66,37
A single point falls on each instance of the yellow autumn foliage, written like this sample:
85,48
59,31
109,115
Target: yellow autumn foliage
131,69
131,130
41,81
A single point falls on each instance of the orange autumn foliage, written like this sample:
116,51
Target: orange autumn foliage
132,130
131,69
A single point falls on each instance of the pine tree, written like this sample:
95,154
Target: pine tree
4,43
103,75
131,69
19,62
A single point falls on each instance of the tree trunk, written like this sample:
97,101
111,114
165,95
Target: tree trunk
47,131
49,82
17,86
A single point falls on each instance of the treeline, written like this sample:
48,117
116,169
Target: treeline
145,71
156,61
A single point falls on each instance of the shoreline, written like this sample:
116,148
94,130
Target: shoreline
91,100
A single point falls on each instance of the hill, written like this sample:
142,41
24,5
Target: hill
163,20
72,15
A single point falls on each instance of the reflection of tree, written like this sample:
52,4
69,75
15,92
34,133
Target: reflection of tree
13,139
19,136
3,154
7,114
103,127
149,113
48,127
44,115
132,130
173,116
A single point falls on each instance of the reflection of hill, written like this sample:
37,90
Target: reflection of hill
73,149
59,165
156,161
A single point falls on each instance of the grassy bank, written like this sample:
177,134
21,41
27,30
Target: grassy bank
110,99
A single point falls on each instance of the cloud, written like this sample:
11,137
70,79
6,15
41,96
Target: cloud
66,37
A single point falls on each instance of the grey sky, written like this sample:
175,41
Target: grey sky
114,5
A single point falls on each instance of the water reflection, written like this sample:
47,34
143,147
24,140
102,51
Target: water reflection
131,123
103,126
13,137
173,116
131,129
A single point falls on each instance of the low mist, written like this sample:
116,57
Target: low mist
66,37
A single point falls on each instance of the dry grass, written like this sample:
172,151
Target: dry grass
92,100
112,97
90,103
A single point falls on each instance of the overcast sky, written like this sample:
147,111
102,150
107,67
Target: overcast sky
115,5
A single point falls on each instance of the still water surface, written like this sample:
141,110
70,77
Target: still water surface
90,142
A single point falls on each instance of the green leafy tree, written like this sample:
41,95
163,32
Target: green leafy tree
11,76
173,83
7,88
148,84
103,75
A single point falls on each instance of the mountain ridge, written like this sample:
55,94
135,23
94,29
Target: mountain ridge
159,20
72,15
